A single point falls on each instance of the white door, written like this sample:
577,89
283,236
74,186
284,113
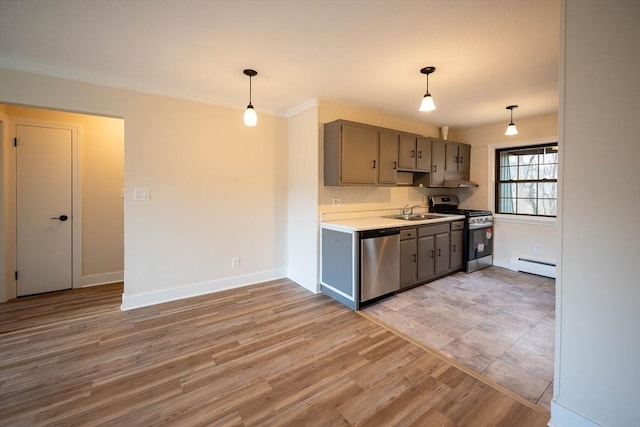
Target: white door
44,209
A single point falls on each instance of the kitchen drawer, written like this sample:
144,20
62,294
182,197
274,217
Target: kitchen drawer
457,225
409,233
433,229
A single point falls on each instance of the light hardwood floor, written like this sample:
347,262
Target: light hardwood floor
269,354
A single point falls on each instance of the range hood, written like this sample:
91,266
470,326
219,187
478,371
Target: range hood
459,183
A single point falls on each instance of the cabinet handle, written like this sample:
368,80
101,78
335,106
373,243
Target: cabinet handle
460,159
374,164
420,154
435,168
431,254
453,248
413,153
455,159
439,252
415,258
395,165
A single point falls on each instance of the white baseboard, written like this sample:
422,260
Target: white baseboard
565,417
130,302
102,279
310,285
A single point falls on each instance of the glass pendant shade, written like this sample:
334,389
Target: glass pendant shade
511,129
250,116
427,103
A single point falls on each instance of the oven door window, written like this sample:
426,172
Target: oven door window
480,242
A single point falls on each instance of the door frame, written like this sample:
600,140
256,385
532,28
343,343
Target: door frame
76,194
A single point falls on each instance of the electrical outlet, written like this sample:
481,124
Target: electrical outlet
337,202
537,248
235,262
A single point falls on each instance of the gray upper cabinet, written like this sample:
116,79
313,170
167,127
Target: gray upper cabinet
457,158
361,154
350,154
388,149
414,153
437,163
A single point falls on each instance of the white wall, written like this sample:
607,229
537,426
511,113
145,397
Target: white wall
597,376
302,199
514,236
218,188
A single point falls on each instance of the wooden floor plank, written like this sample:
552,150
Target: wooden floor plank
268,354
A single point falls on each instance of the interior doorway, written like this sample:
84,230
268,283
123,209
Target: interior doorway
98,204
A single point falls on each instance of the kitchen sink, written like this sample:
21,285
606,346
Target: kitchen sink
414,217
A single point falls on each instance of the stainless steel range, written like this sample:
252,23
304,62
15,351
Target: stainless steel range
478,231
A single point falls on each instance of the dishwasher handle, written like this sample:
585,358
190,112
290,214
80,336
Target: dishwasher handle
381,232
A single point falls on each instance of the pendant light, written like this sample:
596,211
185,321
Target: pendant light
511,129
427,103
250,116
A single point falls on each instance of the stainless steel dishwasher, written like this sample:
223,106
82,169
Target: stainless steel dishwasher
379,262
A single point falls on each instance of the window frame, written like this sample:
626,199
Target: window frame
498,181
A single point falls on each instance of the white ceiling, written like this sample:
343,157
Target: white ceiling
487,53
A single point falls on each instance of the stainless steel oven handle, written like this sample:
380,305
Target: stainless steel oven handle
477,226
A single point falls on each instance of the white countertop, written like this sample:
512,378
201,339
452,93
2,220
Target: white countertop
374,222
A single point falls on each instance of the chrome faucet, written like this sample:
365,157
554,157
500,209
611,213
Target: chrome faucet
408,210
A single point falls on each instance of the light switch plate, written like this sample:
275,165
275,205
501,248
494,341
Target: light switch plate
141,193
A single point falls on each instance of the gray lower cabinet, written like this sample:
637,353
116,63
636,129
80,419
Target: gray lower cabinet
457,242
426,266
408,257
442,253
438,236
425,253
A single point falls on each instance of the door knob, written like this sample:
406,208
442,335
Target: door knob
61,217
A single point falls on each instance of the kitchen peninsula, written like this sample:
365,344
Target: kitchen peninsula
368,255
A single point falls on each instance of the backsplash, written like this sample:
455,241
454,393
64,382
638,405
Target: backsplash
356,198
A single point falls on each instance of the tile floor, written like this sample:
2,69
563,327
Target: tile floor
495,321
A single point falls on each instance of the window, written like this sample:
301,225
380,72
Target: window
527,180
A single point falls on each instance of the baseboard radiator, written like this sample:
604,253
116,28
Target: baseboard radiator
534,266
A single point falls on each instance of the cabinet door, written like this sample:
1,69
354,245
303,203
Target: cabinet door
359,154
423,155
456,250
407,152
451,164
388,169
426,257
464,156
408,262
442,253
437,162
